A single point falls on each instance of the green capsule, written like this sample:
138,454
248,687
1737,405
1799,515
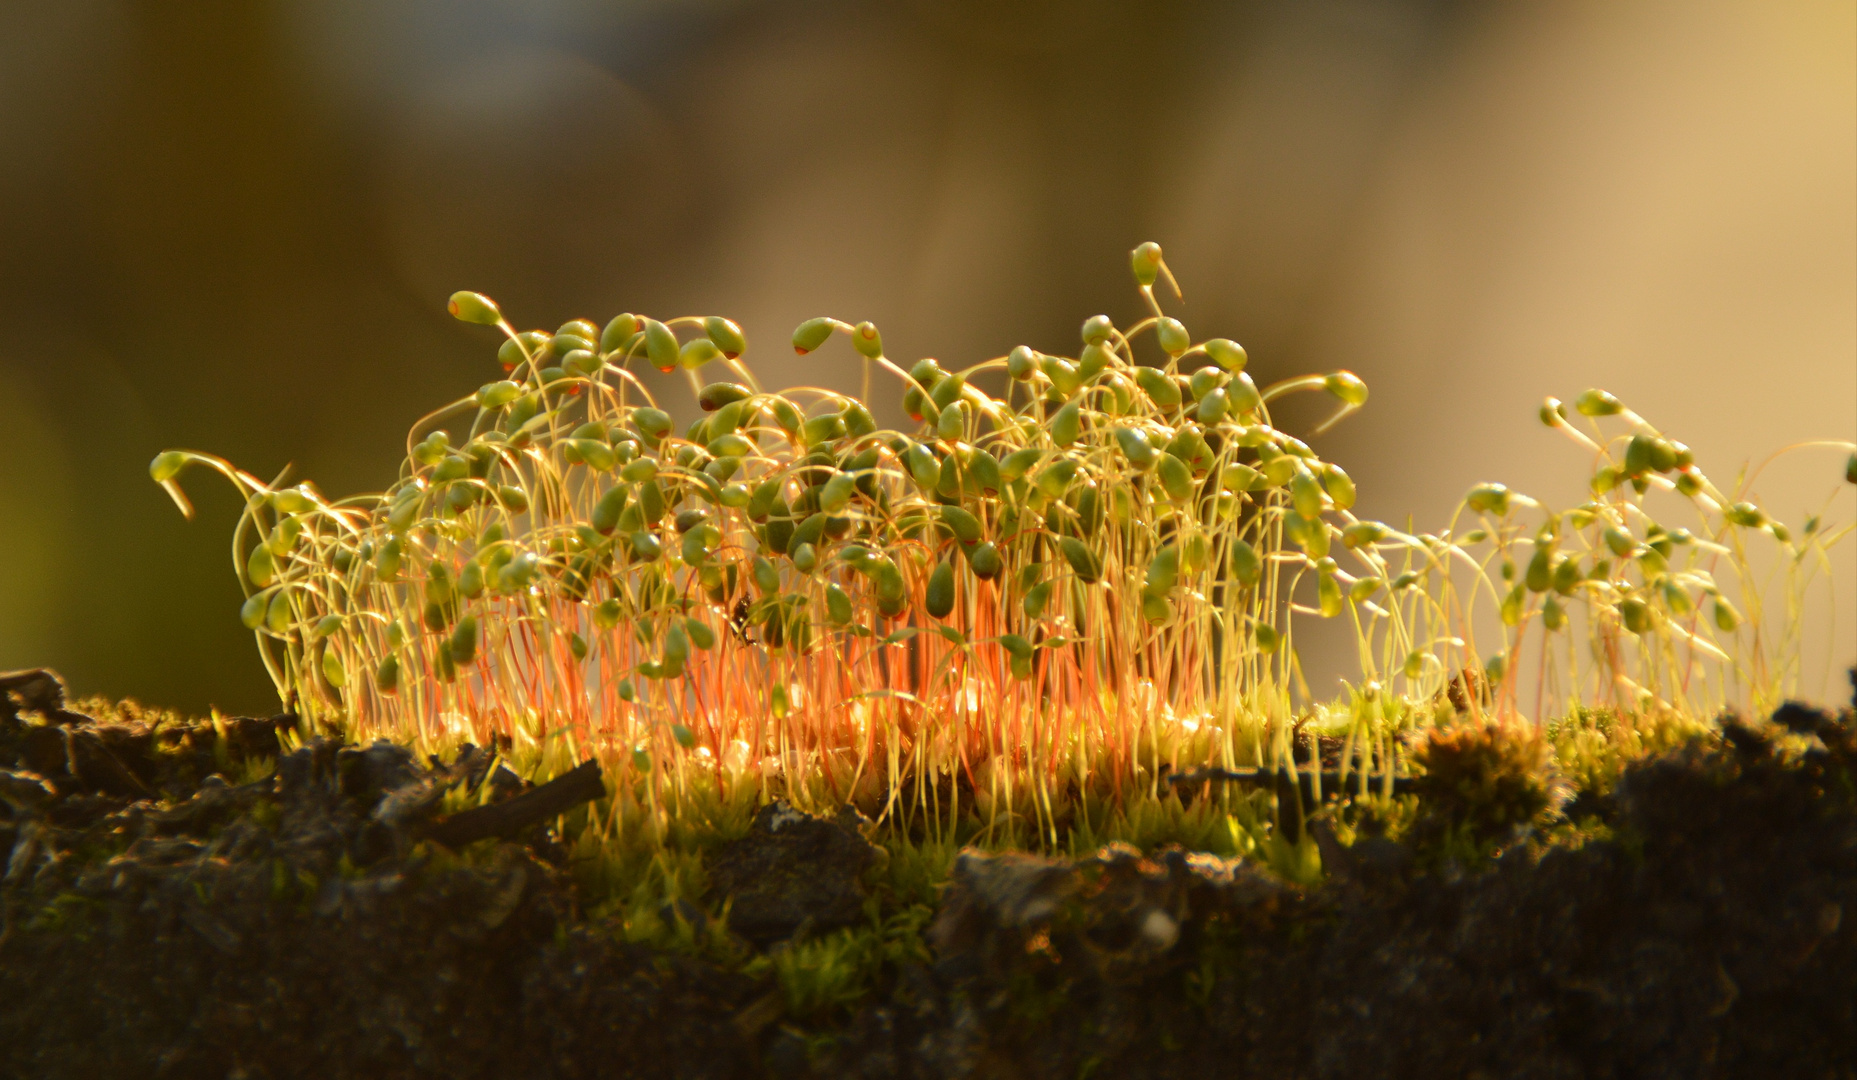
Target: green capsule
822,429
1096,329
1067,425
1014,465
951,425
1064,376
982,473
471,579
1746,515
277,612
167,465
1638,455
1081,559
1363,589
1553,616
948,390
1510,611
1306,494
1163,571
1621,542
387,675
1176,478
766,577
598,455
1311,536
512,499
1346,386
661,346
1597,403
676,645
948,489
1636,615
1676,599
452,467
1566,577
1245,564
727,336
1241,396
606,512
1226,353
836,492
728,446
698,543
1021,362
837,606
473,307
620,334
765,500
1489,499
1539,576
252,611
464,641
260,566
653,424
938,600
866,340
1161,390
645,546
889,581
1340,487
986,561
858,420
432,449
1267,638
436,617
498,394
811,334
1363,534
1093,361
1136,447
1850,469
923,466
1726,617
807,532
717,394
1328,595
1035,599
1172,336
333,672
734,496
1213,406
965,526
1145,261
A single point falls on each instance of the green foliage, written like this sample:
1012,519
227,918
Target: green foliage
999,625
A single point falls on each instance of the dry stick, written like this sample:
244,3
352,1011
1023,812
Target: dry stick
581,784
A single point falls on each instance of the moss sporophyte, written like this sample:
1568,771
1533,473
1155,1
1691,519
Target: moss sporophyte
1035,602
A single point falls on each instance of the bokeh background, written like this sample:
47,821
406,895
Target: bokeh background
231,225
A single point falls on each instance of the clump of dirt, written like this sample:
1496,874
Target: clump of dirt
326,918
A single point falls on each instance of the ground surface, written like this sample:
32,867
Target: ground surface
162,920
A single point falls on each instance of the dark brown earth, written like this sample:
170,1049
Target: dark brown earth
163,921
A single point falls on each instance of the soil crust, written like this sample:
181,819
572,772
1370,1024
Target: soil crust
162,920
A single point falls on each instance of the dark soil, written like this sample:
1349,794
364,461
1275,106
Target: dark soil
163,921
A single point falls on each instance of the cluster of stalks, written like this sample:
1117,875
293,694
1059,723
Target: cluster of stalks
1028,605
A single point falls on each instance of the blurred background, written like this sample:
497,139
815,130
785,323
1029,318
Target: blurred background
232,226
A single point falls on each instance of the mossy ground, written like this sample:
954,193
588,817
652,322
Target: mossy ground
184,905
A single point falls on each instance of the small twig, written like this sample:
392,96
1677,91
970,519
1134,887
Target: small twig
583,783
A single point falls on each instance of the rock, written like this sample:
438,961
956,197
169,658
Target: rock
791,869
995,901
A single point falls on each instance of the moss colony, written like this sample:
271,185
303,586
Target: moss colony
788,745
